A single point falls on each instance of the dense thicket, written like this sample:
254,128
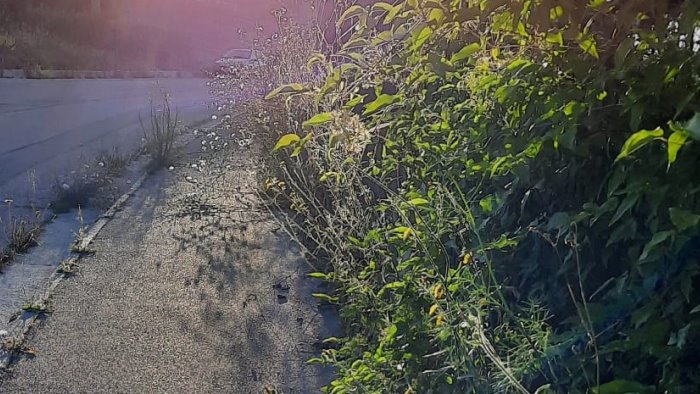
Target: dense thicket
506,193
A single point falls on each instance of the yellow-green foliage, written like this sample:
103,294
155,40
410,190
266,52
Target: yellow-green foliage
506,194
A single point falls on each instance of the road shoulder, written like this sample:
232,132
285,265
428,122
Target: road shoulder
192,287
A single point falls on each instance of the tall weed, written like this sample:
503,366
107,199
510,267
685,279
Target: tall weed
160,133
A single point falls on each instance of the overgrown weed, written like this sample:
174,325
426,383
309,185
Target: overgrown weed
160,133
79,187
113,162
68,267
80,244
73,192
20,234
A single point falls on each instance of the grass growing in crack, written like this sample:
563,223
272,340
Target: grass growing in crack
17,345
73,193
80,245
20,234
79,187
159,134
68,266
113,162
37,307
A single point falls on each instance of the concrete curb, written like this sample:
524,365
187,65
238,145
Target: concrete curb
87,74
22,325
25,323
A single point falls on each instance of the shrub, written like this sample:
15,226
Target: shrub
503,194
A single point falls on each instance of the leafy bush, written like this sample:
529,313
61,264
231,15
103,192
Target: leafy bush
504,193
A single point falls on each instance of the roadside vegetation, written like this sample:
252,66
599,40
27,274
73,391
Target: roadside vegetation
75,190
159,133
94,182
504,194
20,234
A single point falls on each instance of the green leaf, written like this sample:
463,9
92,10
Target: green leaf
319,275
569,108
560,221
422,37
626,230
285,141
617,178
318,120
554,38
622,386
638,140
496,165
501,243
465,52
391,286
624,207
533,149
418,201
436,16
353,44
683,219
547,388
395,285
679,338
292,88
353,11
393,13
391,332
355,102
382,6
588,46
518,63
556,12
656,240
325,297
675,143
486,204
317,58
382,101
595,3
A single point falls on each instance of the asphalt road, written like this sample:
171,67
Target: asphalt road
51,127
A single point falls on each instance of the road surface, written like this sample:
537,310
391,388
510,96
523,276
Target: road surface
50,127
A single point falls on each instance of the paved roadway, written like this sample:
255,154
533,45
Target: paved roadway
49,127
